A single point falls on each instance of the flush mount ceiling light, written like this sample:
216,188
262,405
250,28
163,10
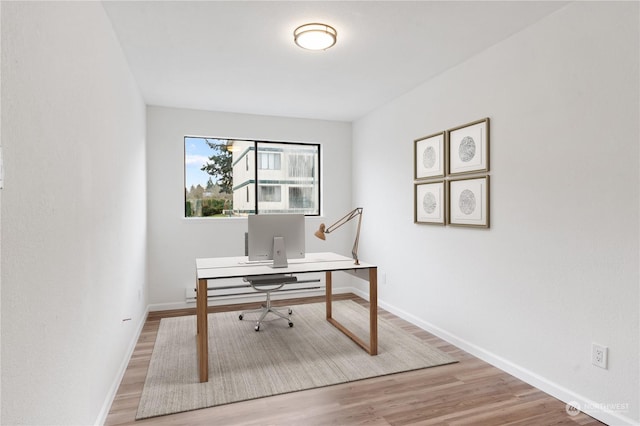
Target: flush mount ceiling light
315,36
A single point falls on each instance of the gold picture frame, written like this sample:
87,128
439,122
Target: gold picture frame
468,148
430,203
468,202
429,157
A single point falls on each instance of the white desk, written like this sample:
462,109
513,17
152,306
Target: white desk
238,267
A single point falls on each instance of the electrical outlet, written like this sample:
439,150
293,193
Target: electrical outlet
599,355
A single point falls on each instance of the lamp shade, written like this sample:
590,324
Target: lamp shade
320,232
315,36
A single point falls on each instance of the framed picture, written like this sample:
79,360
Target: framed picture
429,157
429,203
469,202
469,148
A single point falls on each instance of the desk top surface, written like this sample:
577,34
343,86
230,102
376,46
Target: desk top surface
239,266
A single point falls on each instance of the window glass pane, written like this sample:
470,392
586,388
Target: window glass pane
300,197
208,183
270,193
230,177
268,161
296,172
301,165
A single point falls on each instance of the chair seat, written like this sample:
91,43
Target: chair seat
268,284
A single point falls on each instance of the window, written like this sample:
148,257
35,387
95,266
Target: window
301,165
271,193
268,161
300,197
231,177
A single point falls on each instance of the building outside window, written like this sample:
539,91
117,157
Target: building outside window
270,193
269,160
300,197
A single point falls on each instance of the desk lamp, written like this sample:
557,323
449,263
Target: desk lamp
320,233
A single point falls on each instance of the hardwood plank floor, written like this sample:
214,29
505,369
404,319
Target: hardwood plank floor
470,392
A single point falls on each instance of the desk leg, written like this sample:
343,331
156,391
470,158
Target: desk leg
372,347
329,293
373,311
202,330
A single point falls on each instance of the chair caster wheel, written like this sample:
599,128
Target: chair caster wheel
290,324
290,311
257,328
241,316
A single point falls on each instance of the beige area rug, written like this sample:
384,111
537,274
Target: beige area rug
244,364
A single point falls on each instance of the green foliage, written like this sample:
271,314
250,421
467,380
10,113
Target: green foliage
212,207
210,202
219,166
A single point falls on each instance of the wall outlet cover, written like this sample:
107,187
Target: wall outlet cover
599,355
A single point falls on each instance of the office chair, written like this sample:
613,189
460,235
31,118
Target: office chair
268,284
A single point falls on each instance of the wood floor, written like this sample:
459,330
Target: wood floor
470,392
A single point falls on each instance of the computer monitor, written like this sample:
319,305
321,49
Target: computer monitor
276,237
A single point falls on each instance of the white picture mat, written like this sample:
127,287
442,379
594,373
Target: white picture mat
435,145
434,192
469,201
463,164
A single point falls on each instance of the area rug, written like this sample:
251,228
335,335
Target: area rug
244,364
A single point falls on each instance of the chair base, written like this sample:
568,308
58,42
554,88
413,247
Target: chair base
265,310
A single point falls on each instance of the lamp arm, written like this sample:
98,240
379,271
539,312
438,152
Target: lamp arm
346,218
352,214
354,250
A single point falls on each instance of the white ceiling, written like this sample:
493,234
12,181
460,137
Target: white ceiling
239,56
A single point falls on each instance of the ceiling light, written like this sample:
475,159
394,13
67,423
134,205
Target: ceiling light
315,36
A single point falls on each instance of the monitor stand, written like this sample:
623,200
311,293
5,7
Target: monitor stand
279,253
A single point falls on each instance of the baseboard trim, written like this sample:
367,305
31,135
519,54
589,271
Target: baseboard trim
106,406
568,396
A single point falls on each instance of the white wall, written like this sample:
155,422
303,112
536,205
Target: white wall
558,269
73,212
1,165
175,242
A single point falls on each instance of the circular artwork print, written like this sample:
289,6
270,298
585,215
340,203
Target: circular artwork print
429,157
429,203
467,149
467,202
